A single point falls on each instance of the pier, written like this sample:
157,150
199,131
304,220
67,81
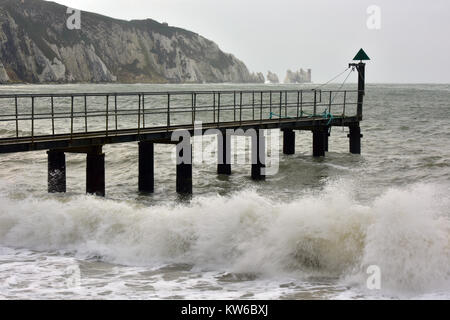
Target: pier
85,122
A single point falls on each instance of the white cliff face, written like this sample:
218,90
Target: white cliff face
36,46
52,71
99,70
4,78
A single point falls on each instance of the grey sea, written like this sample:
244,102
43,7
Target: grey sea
311,231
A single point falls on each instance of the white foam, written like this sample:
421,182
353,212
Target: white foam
404,231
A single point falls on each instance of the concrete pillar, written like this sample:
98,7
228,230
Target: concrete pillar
56,171
95,172
288,141
258,155
224,154
146,167
184,168
355,139
319,142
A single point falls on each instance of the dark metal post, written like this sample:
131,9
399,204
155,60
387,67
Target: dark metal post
315,103
184,170
107,114
234,105
261,107
361,67
224,152
331,100
115,111
143,111
168,112
32,119
355,130
56,171
253,105
240,108
258,155
193,102
214,107
286,104
218,108
301,103
95,172
281,102
355,139
139,115
17,117
344,104
319,142
270,105
146,167
326,135
85,114
288,141
71,117
53,115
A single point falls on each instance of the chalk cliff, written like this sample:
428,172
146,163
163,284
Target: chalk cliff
37,47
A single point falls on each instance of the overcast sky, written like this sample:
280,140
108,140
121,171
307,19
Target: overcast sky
412,45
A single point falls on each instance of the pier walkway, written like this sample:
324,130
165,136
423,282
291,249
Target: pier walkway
85,122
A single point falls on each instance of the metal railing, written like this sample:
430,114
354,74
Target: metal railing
27,116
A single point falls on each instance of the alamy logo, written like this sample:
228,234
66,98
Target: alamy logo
374,19
264,146
74,20
374,280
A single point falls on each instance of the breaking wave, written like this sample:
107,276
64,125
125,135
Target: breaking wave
406,232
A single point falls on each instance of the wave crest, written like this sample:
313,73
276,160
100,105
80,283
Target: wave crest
404,231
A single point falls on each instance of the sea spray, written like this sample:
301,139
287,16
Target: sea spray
409,239
404,231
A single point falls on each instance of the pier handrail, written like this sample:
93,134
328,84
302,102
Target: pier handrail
155,93
242,105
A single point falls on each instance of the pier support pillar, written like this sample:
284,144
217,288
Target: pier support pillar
184,167
319,142
288,141
146,167
224,153
355,139
56,171
258,155
325,139
95,172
